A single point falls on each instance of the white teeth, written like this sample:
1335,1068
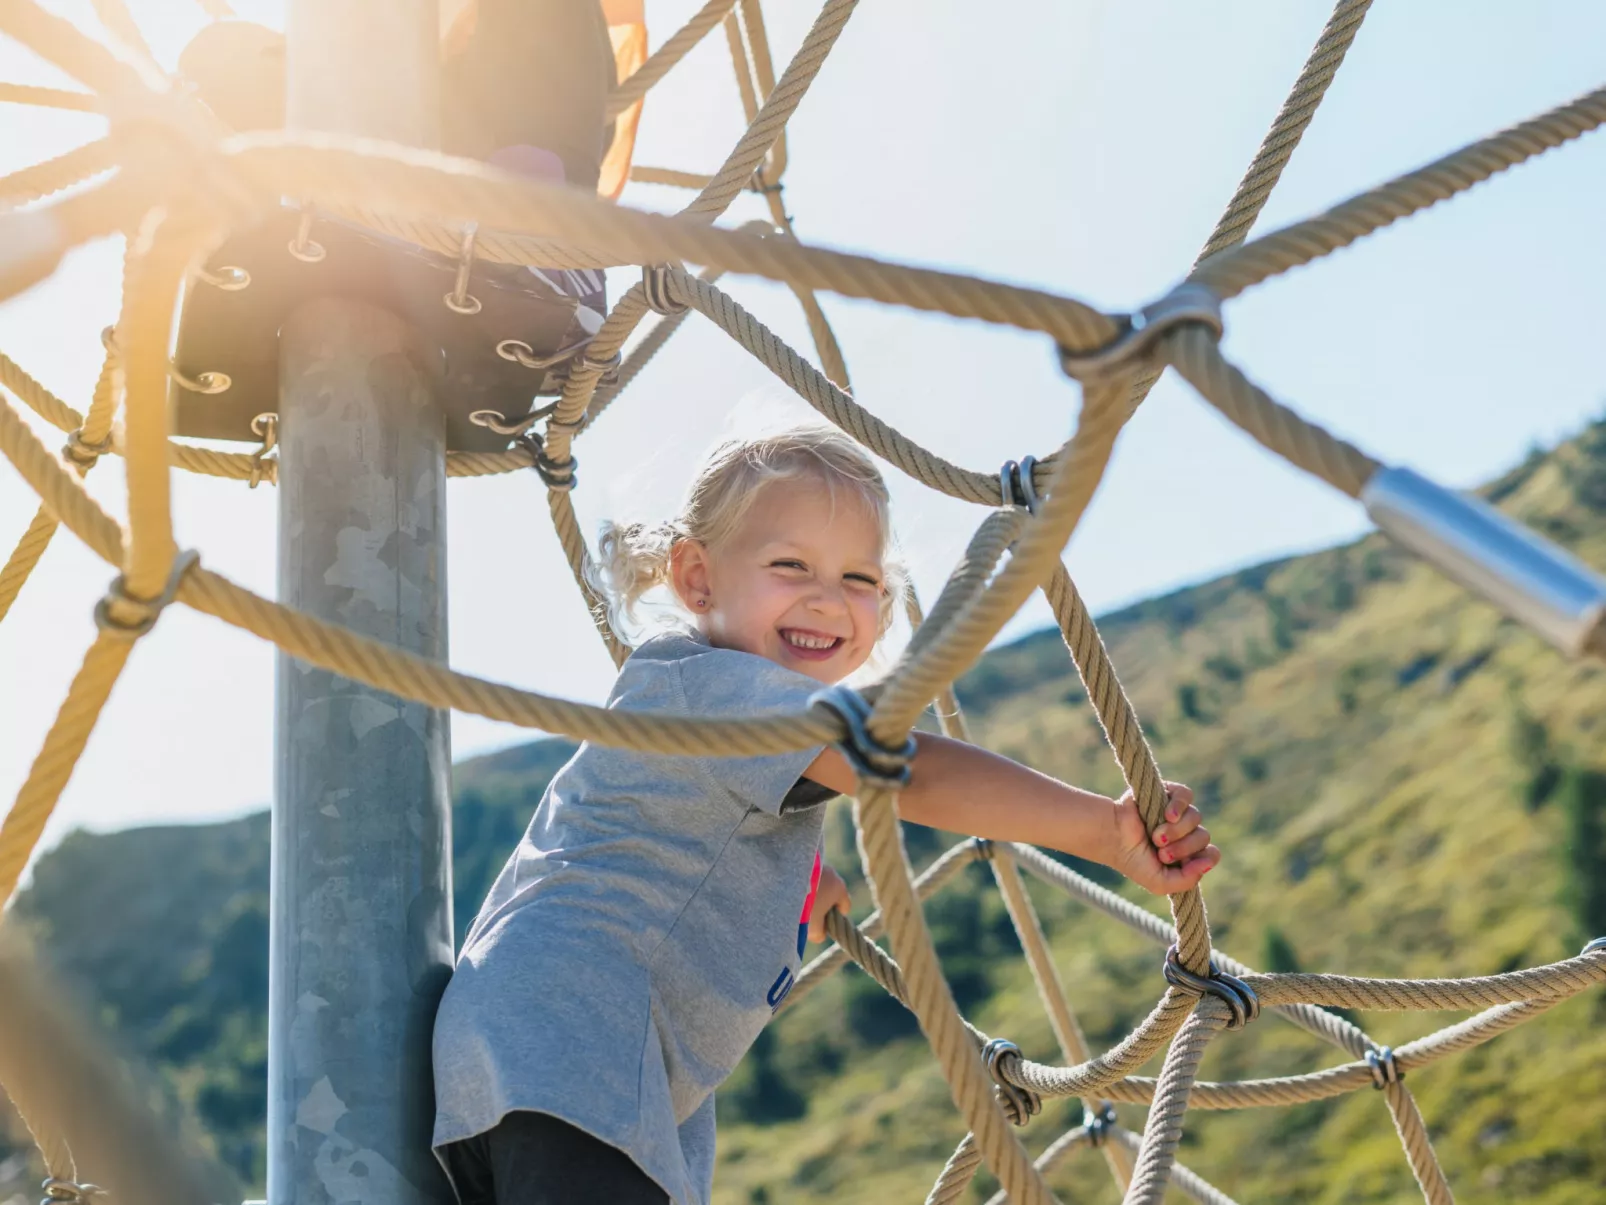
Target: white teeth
809,642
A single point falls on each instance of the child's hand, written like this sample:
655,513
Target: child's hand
1178,856
833,893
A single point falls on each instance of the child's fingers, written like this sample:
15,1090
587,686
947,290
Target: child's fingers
1179,797
1176,853
1187,876
1172,831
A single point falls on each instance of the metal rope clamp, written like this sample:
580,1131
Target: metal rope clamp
554,474
655,284
65,1192
982,849
1099,1124
1015,485
83,452
1020,1104
1237,995
1384,1069
872,761
1186,303
149,609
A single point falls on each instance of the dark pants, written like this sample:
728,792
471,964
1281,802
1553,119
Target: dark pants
534,1159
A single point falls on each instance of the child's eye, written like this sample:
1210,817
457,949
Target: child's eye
786,564
864,579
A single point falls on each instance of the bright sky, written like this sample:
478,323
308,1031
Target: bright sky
1083,146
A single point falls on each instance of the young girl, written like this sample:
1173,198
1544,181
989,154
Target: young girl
647,925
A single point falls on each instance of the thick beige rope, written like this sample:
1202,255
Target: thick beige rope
51,176
1164,1129
887,868
1028,928
628,91
1232,272
64,743
90,434
49,98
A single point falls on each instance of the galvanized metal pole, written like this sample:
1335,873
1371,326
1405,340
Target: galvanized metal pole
361,944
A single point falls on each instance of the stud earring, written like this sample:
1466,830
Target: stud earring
702,602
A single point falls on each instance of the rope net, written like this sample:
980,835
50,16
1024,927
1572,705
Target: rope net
171,180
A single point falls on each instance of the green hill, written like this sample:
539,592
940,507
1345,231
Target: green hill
1404,783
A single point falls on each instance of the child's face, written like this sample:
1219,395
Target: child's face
800,581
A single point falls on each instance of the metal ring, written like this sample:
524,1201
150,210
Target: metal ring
655,285
460,300
1384,1069
872,761
1595,947
1188,302
150,609
229,278
302,246
209,384
1020,1104
1237,995
520,352
607,370
1015,484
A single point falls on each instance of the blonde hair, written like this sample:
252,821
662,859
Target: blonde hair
634,558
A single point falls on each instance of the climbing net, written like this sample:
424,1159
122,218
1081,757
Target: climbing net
175,183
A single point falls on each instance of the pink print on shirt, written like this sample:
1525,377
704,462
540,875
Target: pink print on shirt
783,982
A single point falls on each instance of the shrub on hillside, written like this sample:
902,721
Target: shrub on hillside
1583,804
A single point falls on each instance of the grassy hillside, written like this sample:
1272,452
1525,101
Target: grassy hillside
1403,782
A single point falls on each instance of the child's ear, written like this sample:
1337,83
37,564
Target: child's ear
689,574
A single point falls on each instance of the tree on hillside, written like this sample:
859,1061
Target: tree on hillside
1583,804
1536,760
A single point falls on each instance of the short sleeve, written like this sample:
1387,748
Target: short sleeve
726,683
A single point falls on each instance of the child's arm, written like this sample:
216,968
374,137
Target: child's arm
966,789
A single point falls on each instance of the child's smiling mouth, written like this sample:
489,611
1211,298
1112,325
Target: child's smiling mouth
809,645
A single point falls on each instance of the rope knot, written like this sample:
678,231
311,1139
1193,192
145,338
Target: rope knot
1237,995
1385,1070
121,614
872,761
1099,1123
1020,1104
1187,303
1015,485
660,298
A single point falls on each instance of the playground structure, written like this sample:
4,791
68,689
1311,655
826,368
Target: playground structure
182,185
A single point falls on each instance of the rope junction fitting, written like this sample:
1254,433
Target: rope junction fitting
1385,1071
437,206
1237,995
1015,484
1020,1104
1098,1123
1187,304
873,762
112,610
655,288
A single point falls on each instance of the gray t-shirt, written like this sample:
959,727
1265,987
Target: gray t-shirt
643,931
